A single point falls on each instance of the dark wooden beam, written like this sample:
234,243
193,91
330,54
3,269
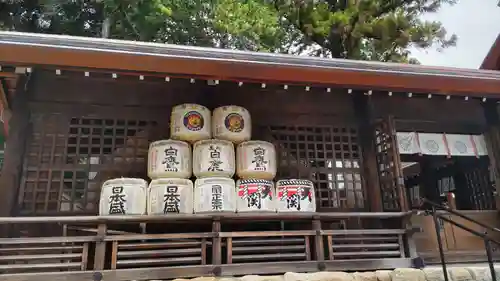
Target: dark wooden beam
14,153
492,138
364,113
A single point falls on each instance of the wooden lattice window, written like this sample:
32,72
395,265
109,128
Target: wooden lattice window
479,193
327,155
67,159
389,167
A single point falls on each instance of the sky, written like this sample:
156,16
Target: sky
476,23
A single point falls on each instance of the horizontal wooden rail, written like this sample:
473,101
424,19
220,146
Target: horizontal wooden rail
267,233
183,217
158,236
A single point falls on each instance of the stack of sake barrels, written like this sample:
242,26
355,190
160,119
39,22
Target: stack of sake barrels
256,160
214,167
170,161
213,162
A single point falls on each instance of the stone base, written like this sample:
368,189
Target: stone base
476,273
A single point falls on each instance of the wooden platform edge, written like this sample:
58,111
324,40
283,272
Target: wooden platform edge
191,217
210,270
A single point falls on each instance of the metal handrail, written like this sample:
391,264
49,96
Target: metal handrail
486,238
454,212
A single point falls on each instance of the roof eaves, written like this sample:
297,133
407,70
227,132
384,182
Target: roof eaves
492,59
56,50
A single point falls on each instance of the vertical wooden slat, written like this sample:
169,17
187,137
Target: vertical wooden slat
38,167
75,165
48,188
330,247
318,240
114,254
401,245
216,243
65,234
100,248
85,256
203,251
61,178
229,249
307,246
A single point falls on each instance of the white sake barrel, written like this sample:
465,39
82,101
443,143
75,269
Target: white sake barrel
254,195
232,123
190,122
123,196
169,159
213,158
170,196
256,160
214,195
295,196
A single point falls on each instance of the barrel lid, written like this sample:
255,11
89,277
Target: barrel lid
256,142
251,181
179,181
294,182
213,141
230,107
126,181
168,141
212,180
185,105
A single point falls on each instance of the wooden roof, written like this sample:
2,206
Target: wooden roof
492,59
24,49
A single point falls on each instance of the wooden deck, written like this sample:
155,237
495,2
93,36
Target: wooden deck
145,247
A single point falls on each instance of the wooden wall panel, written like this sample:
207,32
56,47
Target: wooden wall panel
294,105
101,89
457,242
110,121
432,115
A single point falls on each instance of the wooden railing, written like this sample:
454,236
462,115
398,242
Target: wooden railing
164,247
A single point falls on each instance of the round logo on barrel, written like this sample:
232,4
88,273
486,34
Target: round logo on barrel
193,120
234,122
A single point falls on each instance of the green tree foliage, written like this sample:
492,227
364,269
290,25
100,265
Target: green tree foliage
381,30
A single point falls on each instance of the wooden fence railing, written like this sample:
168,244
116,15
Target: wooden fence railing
145,247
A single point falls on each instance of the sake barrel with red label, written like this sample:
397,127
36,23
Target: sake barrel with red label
123,196
170,196
254,195
295,196
190,122
231,123
169,159
213,195
213,158
256,160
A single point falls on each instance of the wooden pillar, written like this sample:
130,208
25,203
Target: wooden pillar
364,113
19,127
100,247
318,241
429,180
216,246
492,138
463,194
